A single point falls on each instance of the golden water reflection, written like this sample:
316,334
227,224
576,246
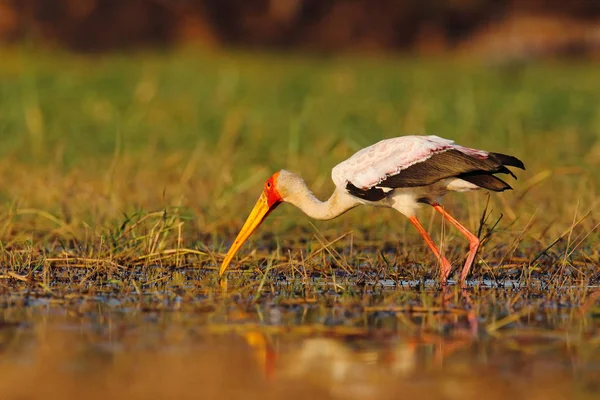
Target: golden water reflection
136,355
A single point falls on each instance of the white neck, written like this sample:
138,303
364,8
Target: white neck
336,205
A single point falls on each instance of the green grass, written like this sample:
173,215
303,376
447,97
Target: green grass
91,145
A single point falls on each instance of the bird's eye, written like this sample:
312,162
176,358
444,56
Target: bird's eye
268,185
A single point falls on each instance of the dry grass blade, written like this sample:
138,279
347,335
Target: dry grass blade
327,246
169,253
12,275
491,328
83,262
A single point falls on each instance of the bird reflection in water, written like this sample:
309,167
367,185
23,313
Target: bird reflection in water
358,364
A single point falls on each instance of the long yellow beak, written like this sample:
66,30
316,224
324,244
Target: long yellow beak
257,215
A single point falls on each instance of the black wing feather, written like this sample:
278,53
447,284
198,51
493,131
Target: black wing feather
505,159
446,164
486,181
372,194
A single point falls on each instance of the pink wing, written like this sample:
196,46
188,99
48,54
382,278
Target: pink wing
371,165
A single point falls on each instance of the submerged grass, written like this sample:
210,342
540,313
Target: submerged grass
131,174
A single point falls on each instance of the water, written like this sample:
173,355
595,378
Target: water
132,349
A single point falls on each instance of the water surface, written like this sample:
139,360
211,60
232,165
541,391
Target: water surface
134,349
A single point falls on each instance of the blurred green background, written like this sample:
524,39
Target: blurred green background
172,106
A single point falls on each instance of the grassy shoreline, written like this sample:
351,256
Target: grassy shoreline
155,159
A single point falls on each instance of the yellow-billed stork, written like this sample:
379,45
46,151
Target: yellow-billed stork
401,173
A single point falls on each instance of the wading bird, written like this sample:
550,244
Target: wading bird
401,173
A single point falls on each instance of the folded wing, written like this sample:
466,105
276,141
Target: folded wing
473,166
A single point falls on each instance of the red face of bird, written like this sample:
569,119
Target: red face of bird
267,202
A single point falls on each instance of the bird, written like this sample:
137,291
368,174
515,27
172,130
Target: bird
403,173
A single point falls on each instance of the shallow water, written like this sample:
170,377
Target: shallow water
123,348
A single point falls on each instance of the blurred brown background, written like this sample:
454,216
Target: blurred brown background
506,28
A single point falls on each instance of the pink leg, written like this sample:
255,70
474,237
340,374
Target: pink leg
446,267
473,240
